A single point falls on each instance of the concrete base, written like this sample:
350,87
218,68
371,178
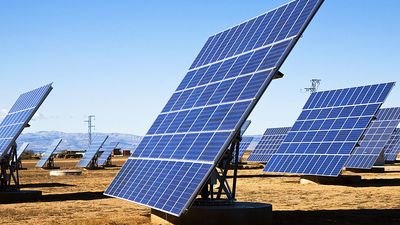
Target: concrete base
243,213
66,173
340,180
19,196
377,169
51,168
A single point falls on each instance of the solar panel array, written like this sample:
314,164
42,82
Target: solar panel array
21,149
20,114
48,153
200,120
92,151
106,153
269,144
392,149
244,144
327,131
375,139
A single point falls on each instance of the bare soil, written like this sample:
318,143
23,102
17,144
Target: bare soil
80,199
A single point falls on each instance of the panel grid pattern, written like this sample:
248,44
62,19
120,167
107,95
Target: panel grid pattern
269,144
48,153
106,153
392,148
326,132
92,151
375,139
209,106
20,114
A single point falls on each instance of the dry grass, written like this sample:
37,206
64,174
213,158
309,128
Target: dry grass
79,199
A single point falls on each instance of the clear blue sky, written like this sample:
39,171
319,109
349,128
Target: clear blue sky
121,60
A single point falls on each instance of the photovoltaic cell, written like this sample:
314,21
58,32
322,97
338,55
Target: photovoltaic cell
392,148
48,153
92,151
106,152
202,117
19,116
375,139
21,149
327,130
269,144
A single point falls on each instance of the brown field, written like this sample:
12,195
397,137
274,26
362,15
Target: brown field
79,199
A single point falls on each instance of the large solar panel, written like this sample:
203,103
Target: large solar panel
106,152
269,144
327,130
378,134
19,116
92,151
21,149
48,153
392,149
208,108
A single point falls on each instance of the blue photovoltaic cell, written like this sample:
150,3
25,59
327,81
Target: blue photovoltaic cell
92,151
106,152
327,130
19,116
203,115
269,144
244,144
392,148
48,153
375,139
21,149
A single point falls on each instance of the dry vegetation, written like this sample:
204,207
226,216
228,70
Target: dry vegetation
79,199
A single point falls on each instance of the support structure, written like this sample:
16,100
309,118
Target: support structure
9,177
109,162
224,194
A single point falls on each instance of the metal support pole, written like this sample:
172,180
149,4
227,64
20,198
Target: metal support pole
235,169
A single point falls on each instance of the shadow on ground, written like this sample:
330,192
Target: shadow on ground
377,183
45,185
337,217
84,196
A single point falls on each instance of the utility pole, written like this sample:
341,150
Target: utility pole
314,86
89,121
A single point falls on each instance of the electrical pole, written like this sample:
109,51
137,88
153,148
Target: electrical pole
314,86
89,121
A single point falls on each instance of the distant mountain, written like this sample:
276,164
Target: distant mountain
39,141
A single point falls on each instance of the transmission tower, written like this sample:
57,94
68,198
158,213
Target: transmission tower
314,86
89,121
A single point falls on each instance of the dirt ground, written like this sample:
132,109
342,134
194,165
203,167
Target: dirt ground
79,199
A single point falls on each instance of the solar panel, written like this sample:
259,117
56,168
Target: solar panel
21,149
244,144
375,139
106,153
269,144
48,153
327,130
392,148
208,108
19,116
92,151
